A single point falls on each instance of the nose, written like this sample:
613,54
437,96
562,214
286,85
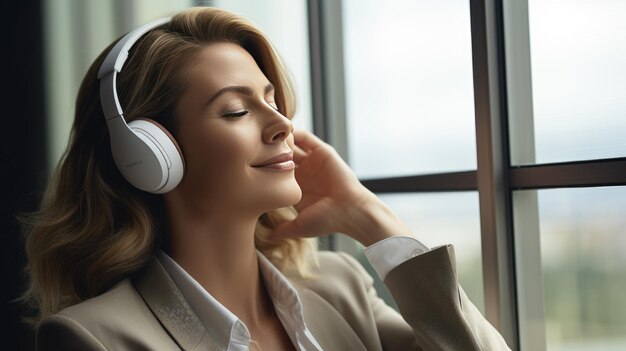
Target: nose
278,128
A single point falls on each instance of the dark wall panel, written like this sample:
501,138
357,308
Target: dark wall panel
23,153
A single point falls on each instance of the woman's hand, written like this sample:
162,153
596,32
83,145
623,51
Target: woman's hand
333,199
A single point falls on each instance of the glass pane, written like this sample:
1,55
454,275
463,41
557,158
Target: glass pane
446,218
578,51
583,241
409,92
285,22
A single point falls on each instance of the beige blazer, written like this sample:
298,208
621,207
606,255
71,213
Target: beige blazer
340,308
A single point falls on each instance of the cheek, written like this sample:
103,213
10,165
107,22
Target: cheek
219,155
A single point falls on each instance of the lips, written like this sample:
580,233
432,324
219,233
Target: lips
283,161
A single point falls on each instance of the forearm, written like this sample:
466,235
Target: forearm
371,220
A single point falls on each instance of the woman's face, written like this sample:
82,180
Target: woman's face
228,127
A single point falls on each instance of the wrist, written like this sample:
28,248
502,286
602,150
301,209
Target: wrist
372,220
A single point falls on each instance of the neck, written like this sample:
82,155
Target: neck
216,247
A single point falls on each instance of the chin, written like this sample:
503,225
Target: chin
288,195
297,195
292,194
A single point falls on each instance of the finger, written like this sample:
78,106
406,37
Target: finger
306,140
293,229
298,154
305,225
283,230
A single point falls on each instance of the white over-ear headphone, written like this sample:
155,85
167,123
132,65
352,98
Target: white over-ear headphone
145,153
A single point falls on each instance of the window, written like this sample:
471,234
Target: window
550,159
409,111
409,94
582,266
578,50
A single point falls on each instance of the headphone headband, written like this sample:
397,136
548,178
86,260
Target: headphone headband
118,55
113,64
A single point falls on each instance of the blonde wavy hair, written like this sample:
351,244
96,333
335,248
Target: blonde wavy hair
93,229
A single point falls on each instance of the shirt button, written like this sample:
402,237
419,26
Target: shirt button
416,252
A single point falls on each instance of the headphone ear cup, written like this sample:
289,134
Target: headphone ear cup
177,152
147,156
167,146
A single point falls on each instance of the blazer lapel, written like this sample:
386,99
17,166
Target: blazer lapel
327,325
168,305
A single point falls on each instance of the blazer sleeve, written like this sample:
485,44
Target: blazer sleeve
434,304
439,314
59,332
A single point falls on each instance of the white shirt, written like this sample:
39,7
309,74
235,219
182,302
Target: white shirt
230,332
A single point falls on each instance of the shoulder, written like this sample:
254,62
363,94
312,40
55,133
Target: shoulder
58,332
119,299
117,319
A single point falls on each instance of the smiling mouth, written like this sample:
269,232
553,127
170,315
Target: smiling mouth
282,162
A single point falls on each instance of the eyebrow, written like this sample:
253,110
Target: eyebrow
240,89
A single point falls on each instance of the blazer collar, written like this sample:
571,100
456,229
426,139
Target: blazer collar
168,305
165,300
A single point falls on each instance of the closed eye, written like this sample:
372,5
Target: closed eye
235,114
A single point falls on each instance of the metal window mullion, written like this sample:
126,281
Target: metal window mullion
453,181
327,71
334,85
525,206
492,160
317,71
609,172
327,80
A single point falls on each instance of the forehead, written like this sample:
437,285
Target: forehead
221,64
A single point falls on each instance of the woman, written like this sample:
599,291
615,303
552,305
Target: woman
209,254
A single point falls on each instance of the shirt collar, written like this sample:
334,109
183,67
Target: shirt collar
225,327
